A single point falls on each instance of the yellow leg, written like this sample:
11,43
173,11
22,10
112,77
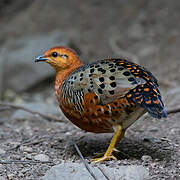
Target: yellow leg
118,135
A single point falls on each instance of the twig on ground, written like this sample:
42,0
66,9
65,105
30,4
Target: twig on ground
23,162
105,175
4,109
84,161
45,116
30,140
173,110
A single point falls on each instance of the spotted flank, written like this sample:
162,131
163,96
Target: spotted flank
112,81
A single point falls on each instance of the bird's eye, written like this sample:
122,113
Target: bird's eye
64,56
54,54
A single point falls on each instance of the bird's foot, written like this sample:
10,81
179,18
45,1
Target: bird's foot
118,135
116,150
96,155
103,158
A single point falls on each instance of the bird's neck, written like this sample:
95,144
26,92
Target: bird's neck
61,75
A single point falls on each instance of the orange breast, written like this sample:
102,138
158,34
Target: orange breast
95,117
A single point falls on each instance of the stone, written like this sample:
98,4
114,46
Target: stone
2,178
18,68
26,149
2,151
10,176
135,172
41,157
74,171
29,156
146,158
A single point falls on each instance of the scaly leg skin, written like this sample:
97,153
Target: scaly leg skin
102,153
118,135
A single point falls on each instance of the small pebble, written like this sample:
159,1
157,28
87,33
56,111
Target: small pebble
2,152
26,149
29,156
146,158
68,133
41,157
10,176
154,165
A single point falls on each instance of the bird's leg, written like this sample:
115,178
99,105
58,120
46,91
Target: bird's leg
118,135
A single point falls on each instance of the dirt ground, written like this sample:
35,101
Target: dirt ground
148,30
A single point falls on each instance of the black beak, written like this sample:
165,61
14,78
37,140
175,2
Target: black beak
40,58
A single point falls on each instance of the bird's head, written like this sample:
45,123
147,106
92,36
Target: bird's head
60,58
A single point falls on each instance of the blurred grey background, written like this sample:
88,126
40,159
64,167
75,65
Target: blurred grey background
145,31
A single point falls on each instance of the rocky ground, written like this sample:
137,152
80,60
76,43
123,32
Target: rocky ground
145,31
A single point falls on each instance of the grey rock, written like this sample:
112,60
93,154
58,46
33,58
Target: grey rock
135,172
29,156
76,171
2,151
41,157
26,149
2,178
17,60
146,158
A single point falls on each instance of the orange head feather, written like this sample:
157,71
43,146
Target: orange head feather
63,60
60,58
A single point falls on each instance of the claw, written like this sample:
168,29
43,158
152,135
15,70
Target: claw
96,155
116,150
103,158
118,135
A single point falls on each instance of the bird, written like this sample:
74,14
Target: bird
103,96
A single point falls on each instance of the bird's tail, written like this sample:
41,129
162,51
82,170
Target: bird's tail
148,97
